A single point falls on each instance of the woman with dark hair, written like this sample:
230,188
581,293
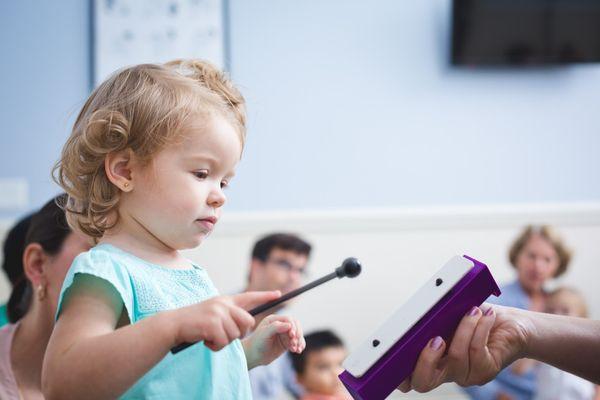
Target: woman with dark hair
12,262
49,250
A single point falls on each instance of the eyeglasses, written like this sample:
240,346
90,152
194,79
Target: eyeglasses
286,265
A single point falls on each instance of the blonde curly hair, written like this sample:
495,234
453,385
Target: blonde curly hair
141,108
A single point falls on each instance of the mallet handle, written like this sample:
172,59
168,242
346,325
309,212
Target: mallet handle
264,307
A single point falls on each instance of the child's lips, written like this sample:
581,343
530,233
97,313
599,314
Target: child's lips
208,223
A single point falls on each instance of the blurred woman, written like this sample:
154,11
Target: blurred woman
12,260
49,249
538,256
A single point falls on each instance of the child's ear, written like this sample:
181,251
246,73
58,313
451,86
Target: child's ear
118,166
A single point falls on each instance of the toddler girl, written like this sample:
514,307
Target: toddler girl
145,168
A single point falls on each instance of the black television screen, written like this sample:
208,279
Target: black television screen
525,32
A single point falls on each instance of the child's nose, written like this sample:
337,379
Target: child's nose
216,198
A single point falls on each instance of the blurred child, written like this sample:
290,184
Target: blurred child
318,367
145,170
553,383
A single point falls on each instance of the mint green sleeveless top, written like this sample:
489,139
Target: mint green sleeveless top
145,289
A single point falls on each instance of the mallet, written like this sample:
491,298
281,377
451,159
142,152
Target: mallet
350,267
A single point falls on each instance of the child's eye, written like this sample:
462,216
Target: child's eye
201,174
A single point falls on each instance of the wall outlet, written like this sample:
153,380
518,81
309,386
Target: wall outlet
14,194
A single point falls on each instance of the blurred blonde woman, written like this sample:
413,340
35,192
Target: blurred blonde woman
538,255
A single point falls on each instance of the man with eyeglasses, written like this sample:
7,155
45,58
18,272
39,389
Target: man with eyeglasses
278,263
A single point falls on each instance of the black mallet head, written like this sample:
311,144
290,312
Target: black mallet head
350,267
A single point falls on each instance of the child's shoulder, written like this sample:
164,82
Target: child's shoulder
100,262
106,262
99,256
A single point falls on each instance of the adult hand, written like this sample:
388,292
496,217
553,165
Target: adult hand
487,340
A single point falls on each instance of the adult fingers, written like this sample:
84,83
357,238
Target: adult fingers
426,374
479,354
405,386
458,352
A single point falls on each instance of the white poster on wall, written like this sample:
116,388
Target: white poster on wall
128,32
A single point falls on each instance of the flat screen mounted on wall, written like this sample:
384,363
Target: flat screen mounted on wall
525,32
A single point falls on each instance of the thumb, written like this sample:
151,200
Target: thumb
280,327
250,300
274,328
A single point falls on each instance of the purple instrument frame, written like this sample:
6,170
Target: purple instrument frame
442,319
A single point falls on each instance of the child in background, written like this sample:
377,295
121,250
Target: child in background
553,383
318,367
145,168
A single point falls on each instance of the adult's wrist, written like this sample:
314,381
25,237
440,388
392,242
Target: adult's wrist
538,326
526,332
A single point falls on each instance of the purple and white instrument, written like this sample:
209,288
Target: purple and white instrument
389,355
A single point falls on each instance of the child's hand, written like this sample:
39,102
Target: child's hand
272,337
220,320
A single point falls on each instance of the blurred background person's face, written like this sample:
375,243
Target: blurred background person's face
282,270
536,263
565,303
321,372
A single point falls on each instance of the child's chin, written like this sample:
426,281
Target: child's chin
195,241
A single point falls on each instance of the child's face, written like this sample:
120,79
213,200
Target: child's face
321,371
177,198
565,303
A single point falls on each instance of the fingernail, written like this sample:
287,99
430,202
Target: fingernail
489,312
436,343
473,312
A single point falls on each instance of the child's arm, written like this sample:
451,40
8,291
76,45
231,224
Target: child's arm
87,357
272,337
